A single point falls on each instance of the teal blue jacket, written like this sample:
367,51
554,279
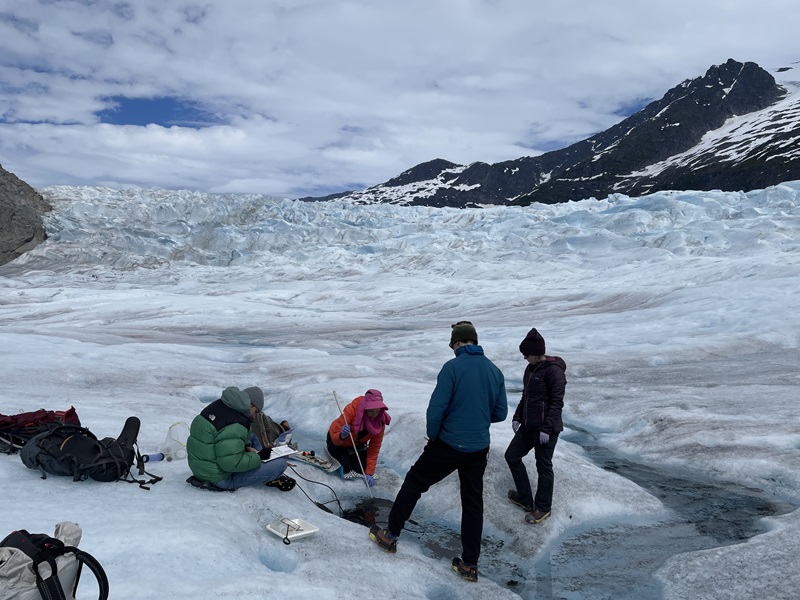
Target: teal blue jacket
470,395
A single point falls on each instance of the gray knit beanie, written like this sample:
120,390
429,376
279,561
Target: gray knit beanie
256,397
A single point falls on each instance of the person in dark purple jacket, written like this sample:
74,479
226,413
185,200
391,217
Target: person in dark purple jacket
537,423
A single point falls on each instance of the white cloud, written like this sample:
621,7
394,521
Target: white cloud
323,95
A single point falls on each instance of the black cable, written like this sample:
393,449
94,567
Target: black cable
322,506
319,504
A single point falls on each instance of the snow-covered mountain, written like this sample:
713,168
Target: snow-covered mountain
736,128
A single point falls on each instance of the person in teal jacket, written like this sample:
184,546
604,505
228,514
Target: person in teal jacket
470,395
224,454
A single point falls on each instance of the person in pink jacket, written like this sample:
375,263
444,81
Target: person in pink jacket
364,421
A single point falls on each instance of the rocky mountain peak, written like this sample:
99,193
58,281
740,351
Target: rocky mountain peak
637,155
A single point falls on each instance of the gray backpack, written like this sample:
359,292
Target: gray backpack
35,566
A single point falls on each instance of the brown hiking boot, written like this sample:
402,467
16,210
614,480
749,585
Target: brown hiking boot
536,516
468,572
514,497
385,539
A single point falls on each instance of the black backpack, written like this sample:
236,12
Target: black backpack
75,451
36,562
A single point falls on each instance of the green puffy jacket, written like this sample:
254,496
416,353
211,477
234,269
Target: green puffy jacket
218,437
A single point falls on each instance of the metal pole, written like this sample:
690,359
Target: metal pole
355,448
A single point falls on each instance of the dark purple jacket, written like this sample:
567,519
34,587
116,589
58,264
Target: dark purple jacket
543,396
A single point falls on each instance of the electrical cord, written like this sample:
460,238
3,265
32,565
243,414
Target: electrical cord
419,530
319,504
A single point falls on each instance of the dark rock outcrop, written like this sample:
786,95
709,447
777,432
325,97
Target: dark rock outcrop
21,211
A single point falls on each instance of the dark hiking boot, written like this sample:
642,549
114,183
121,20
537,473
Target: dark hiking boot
468,572
283,482
512,495
385,539
205,485
536,516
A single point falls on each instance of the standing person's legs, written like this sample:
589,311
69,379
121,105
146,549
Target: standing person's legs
258,476
435,463
519,448
470,476
544,469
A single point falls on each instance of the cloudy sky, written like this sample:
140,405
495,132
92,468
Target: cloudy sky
309,97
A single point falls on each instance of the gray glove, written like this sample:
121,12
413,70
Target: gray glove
515,426
544,438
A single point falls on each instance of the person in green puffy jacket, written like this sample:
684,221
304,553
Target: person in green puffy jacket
222,451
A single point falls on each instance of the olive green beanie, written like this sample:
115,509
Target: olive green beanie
463,331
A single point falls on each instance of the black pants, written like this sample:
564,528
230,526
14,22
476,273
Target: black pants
435,463
525,440
346,456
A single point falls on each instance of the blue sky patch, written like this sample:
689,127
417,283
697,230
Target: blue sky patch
629,108
165,111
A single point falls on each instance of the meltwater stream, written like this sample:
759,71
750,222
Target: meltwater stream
611,562
618,562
